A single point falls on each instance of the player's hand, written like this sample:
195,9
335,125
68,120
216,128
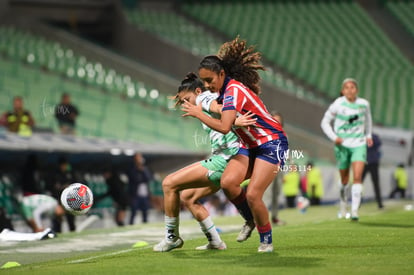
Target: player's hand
338,141
191,109
370,142
245,120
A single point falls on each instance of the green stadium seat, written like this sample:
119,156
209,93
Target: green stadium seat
403,11
105,106
322,42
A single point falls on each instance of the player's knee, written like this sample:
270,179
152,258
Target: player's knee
252,196
185,198
229,182
188,200
187,203
168,184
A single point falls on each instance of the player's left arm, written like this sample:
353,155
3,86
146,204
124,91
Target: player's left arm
244,120
215,107
368,126
208,101
222,125
241,121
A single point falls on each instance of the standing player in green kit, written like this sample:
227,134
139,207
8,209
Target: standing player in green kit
351,133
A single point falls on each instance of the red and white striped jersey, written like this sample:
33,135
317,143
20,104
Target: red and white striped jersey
240,98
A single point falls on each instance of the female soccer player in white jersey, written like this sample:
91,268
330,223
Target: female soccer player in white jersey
233,74
351,133
199,179
34,207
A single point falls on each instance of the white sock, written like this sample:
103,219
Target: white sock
343,193
209,229
343,198
356,198
171,228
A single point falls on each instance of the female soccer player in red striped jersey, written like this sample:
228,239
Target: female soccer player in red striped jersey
233,74
199,179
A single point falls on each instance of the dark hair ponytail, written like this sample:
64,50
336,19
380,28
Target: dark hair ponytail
238,61
190,83
212,63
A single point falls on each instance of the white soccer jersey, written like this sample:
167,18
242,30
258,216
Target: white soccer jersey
34,206
224,145
351,121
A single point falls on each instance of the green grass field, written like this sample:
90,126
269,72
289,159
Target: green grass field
382,242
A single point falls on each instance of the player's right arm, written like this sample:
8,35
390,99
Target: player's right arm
209,103
326,124
215,107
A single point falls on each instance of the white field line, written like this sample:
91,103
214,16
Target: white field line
185,233
106,255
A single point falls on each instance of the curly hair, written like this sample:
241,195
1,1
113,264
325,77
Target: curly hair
239,61
190,83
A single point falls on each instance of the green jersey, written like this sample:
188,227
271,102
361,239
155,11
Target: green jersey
351,121
222,145
34,206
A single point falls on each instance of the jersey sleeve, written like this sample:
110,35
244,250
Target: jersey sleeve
368,122
326,123
206,98
230,99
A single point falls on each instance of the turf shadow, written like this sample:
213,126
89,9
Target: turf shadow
250,259
393,225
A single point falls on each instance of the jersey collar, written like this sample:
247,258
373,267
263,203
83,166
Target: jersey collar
223,89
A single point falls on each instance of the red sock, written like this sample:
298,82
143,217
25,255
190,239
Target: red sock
265,233
264,228
240,202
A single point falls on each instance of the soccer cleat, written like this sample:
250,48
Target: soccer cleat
48,234
220,246
265,248
246,231
347,215
342,209
165,246
354,218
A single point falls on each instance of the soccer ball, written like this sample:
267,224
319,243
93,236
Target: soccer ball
77,199
302,204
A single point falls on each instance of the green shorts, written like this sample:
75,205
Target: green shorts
215,166
345,156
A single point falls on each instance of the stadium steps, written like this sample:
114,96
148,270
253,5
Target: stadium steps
98,101
181,31
395,18
51,56
404,12
323,43
102,115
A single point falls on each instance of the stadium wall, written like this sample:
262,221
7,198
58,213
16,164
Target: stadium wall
330,179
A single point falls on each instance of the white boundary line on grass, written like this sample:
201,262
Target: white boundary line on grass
105,255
